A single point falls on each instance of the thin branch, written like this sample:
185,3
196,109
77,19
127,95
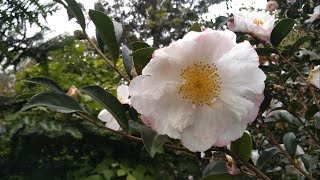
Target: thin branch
105,58
303,78
179,148
245,163
285,153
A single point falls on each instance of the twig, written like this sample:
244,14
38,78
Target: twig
179,148
245,163
303,78
105,58
285,153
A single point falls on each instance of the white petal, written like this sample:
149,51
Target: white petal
208,125
238,69
111,122
123,94
161,104
235,131
105,116
314,76
255,156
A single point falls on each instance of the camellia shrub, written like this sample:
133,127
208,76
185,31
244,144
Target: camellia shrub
241,95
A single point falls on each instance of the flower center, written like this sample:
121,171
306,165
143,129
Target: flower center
201,84
258,22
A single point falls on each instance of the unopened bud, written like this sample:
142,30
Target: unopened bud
74,93
232,167
79,35
272,5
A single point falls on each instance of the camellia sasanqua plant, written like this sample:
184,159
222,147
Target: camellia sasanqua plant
242,95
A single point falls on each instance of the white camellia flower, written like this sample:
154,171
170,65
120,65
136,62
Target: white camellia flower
257,24
272,5
314,76
106,116
203,89
315,15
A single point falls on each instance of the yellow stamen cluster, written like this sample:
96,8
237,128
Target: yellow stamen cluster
200,84
258,22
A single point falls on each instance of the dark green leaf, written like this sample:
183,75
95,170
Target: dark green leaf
215,167
127,60
290,143
141,58
101,43
152,141
266,51
139,45
109,102
45,82
310,162
242,146
220,21
221,176
311,111
77,12
107,31
57,101
195,27
299,42
136,126
266,156
281,30
22,97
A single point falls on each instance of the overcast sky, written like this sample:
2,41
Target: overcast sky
59,23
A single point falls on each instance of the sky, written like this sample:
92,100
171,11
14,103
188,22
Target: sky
59,24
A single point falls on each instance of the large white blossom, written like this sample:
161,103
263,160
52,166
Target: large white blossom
257,24
314,77
203,89
106,116
315,15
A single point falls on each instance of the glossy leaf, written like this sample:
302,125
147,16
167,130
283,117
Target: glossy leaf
242,146
281,30
45,82
220,21
139,45
23,97
107,31
215,167
141,58
127,60
77,12
195,27
57,101
266,156
299,42
152,141
290,143
109,102
266,51
311,111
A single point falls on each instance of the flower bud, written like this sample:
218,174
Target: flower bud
232,168
272,5
79,35
74,93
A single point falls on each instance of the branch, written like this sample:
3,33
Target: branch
105,58
245,163
285,153
304,79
